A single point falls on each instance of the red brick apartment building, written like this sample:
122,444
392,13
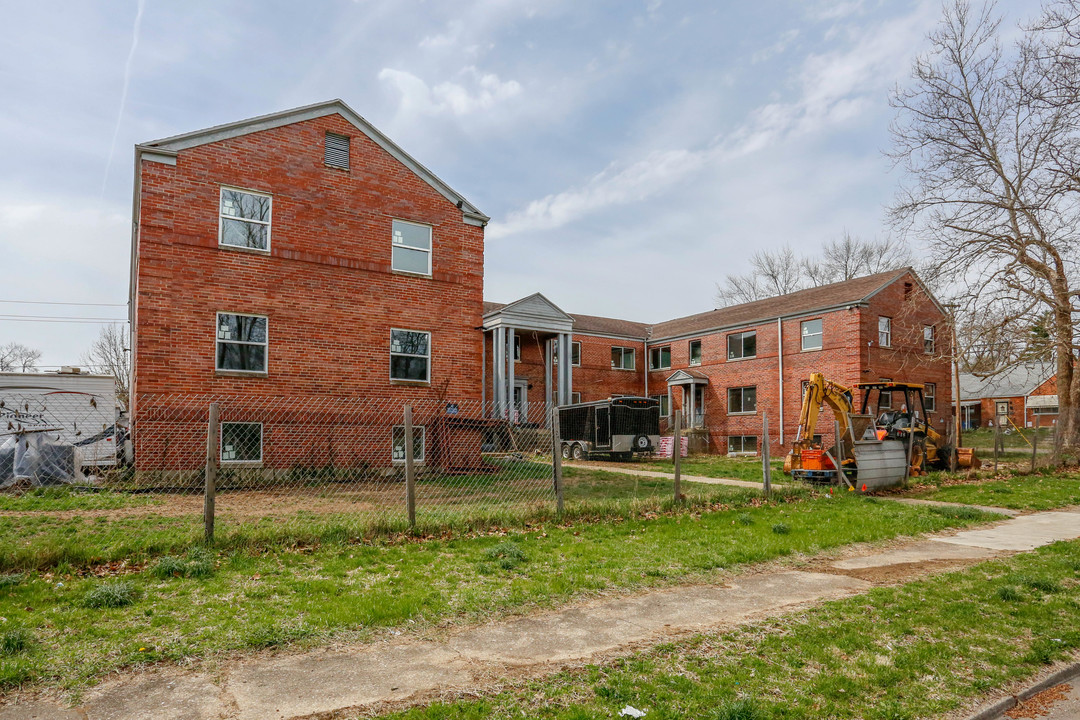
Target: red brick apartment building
304,255
724,369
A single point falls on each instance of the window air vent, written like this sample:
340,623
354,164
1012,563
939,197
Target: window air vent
337,151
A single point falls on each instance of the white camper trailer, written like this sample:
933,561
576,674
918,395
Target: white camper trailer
69,407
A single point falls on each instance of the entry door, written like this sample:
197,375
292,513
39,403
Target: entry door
699,406
521,402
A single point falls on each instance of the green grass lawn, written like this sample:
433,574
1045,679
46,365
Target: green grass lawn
1023,492
74,629
715,466
74,498
913,651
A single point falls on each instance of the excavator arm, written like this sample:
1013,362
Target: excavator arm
820,392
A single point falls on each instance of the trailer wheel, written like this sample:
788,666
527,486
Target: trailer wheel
577,452
641,443
565,451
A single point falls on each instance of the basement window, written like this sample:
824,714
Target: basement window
742,345
397,452
740,444
244,219
241,343
337,151
241,442
411,251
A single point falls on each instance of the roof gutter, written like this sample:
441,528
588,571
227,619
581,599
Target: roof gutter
762,321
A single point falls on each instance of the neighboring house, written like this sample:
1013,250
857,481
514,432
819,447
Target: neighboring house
300,254
1022,395
723,369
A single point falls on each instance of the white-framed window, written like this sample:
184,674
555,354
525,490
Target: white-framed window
742,400
410,355
741,444
622,358
929,397
241,442
929,339
885,397
244,219
812,334
397,449
660,358
242,342
517,348
884,331
575,354
742,345
575,398
695,353
411,250
665,409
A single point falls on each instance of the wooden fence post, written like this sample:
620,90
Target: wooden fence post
1035,443
676,455
997,440
213,435
556,459
766,468
410,469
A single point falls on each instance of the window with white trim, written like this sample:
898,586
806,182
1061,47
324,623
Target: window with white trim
397,450
660,358
811,334
575,398
411,251
742,345
241,442
410,355
622,358
929,339
929,397
244,219
665,409
884,331
242,342
575,354
885,397
695,353
742,400
742,444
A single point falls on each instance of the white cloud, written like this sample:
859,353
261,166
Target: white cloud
474,91
782,44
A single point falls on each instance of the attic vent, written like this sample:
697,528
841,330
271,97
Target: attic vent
908,287
337,151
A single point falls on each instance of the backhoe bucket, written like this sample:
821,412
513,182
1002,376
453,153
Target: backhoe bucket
965,458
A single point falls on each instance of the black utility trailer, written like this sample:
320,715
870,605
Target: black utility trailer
618,427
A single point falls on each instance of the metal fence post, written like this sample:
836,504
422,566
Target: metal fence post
212,459
766,468
556,459
410,470
676,454
997,441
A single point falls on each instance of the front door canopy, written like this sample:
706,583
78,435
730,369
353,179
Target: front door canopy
688,377
534,312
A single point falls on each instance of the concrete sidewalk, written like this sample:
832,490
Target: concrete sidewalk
325,682
670,476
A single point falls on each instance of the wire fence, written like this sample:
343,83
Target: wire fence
1043,441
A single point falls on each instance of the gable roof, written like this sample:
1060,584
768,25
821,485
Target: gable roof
847,292
1018,381
589,324
172,145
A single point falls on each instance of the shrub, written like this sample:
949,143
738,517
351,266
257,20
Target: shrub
116,594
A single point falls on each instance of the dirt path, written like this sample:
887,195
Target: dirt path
326,683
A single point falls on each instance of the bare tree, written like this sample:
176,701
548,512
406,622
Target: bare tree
990,137
781,271
108,355
16,357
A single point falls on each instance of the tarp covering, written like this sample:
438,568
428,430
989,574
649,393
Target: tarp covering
38,460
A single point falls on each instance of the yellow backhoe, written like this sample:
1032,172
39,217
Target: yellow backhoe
871,452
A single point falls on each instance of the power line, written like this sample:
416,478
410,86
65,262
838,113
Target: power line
46,318
53,302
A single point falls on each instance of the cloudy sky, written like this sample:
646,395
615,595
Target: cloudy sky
630,152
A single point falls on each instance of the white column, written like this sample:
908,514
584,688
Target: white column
510,373
670,404
564,366
693,409
497,375
569,368
548,367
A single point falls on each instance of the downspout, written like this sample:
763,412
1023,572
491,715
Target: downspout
645,363
780,371
483,371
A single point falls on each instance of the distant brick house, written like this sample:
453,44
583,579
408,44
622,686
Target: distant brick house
304,255
1023,395
724,369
